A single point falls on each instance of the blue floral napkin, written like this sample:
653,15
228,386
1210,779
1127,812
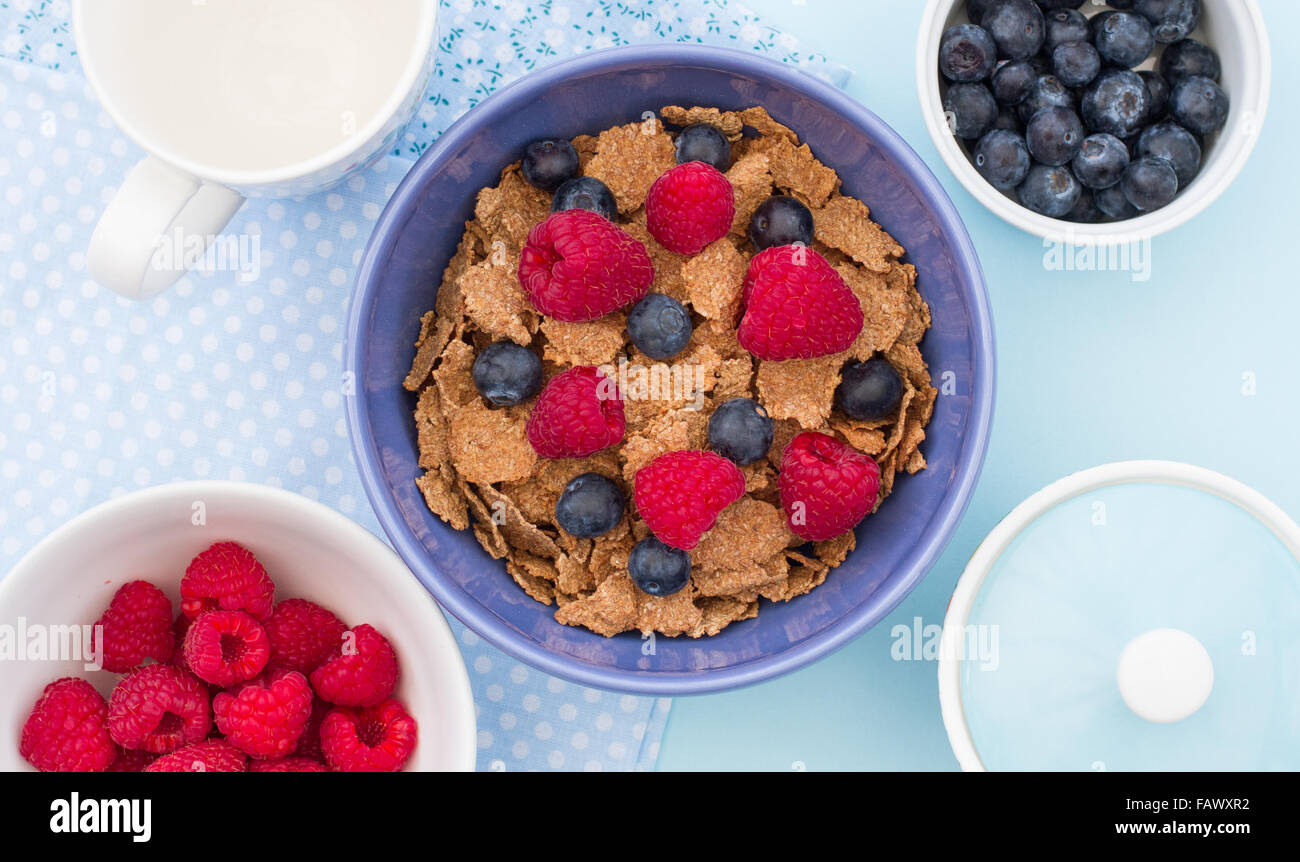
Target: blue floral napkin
236,372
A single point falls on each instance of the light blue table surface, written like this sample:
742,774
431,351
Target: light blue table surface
1092,367
235,372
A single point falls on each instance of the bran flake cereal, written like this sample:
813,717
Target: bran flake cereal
480,472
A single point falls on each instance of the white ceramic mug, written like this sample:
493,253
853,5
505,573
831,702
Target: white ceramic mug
235,99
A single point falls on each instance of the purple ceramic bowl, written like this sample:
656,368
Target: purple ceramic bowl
417,234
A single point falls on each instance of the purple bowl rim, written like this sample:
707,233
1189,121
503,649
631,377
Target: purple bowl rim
953,506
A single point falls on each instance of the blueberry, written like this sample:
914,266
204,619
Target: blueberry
1124,5
506,373
1174,144
1149,183
1013,81
585,193
1002,158
741,431
1116,103
1198,104
659,326
1112,202
780,220
870,390
967,53
1101,161
1051,191
971,110
549,162
1125,39
1158,90
1016,26
1066,25
1096,22
700,142
1189,57
1076,63
1054,136
657,569
1171,19
1085,210
590,506
1060,5
1047,92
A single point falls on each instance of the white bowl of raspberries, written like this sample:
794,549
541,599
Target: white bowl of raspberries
225,627
1094,122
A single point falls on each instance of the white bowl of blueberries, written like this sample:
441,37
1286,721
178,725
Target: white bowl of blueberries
1094,121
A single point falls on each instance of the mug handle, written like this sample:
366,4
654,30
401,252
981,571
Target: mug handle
157,226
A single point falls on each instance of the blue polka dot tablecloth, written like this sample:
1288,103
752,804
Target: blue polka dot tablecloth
236,374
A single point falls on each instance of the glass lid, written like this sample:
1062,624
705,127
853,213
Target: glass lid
1139,624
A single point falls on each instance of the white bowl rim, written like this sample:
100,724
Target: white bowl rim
1186,207
332,522
981,562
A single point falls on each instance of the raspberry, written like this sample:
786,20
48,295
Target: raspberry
158,708
690,206
287,764
579,413
226,647
361,672
309,742
681,494
265,717
302,634
826,487
577,265
131,760
211,755
227,577
67,730
796,306
379,739
137,625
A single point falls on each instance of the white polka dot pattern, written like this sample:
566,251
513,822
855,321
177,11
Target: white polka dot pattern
236,373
